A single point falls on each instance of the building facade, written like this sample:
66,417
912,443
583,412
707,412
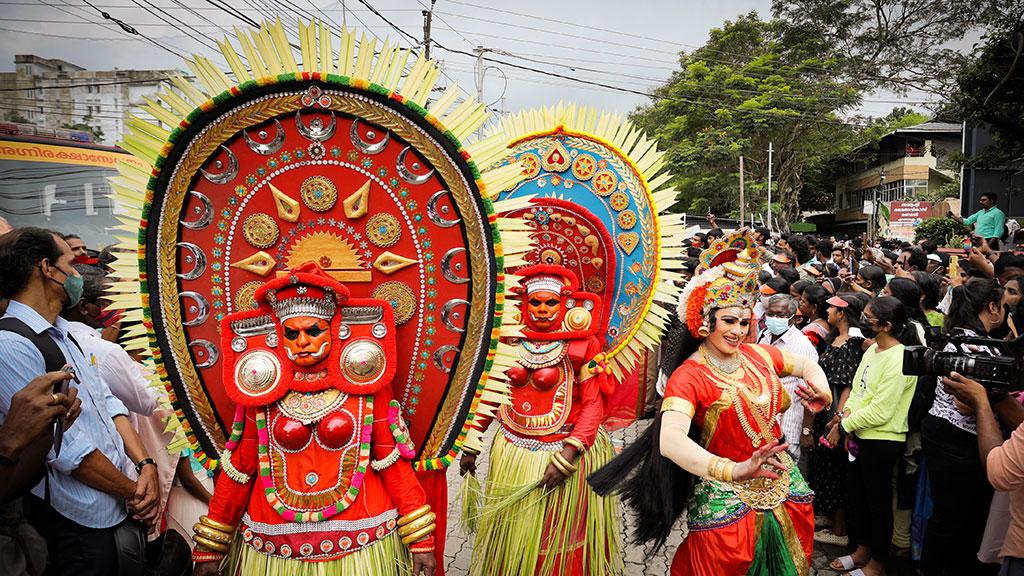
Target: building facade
51,93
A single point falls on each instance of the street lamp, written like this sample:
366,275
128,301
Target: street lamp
874,204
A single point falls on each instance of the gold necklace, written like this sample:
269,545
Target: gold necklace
762,406
724,367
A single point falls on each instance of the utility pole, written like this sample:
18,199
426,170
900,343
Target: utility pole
428,16
770,151
742,204
344,14
479,51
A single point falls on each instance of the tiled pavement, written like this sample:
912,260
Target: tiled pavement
639,562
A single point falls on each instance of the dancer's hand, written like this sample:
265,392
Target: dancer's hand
467,463
762,464
423,564
553,477
814,398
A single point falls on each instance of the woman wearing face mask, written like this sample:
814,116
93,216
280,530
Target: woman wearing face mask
874,418
715,447
828,460
960,491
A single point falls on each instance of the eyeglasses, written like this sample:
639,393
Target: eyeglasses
867,319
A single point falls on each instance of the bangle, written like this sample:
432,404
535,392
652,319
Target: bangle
417,548
417,525
419,535
215,546
575,443
727,472
207,521
558,465
143,463
564,462
211,533
414,515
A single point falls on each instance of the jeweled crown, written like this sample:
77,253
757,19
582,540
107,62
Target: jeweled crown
322,308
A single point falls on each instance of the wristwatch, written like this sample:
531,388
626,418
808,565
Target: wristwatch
142,464
806,431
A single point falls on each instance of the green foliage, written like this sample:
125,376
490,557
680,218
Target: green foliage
15,116
86,126
947,190
943,231
747,86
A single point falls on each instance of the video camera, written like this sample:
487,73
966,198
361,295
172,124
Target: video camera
996,373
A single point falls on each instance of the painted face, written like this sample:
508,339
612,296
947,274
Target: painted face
542,309
307,340
731,328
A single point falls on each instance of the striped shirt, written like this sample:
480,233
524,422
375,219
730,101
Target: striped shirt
20,362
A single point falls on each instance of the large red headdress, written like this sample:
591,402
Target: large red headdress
726,276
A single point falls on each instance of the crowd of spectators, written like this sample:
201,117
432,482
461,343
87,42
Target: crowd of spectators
929,468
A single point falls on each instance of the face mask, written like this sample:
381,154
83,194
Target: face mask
73,287
777,326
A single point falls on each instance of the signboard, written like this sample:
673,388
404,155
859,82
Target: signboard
869,208
904,217
56,154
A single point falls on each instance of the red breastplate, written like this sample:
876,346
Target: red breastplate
541,389
314,449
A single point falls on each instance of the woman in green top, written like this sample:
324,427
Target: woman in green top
875,420
931,294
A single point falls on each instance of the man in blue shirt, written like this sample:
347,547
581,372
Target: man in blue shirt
87,487
989,222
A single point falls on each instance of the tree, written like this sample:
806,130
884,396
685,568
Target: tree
749,85
85,125
893,44
15,116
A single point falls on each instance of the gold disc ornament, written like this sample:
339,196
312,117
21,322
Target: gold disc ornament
260,230
401,298
383,230
245,296
319,193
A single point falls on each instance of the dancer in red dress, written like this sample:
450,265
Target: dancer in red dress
715,449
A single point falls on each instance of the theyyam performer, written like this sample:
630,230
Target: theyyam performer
316,267
716,448
587,299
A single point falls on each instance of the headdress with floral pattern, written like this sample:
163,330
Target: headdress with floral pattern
727,275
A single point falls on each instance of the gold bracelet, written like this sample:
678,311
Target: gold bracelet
417,524
711,467
575,443
211,533
414,515
558,465
210,544
564,462
216,525
727,473
418,535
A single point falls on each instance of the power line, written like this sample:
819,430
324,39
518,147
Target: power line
86,84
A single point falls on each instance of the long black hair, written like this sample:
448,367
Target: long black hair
907,291
969,301
652,486
931,292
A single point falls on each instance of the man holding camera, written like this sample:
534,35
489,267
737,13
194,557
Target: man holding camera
1004,461
989,222
81,500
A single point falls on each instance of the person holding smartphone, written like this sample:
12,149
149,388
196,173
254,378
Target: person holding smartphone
989,222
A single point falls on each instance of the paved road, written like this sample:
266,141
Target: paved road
639,560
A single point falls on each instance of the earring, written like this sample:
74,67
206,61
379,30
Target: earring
704,331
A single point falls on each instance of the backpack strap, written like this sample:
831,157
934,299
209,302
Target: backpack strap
52,356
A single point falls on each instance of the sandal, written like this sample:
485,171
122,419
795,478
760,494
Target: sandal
845,563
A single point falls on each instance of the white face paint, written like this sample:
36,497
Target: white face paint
316,356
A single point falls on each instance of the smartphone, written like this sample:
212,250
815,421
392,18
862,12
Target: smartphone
954,264
62,387
967,244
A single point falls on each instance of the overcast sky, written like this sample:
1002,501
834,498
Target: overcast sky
631,44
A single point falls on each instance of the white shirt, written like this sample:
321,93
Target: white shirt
124,376
792,421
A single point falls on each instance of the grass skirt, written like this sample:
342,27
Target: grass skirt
524,530
385,557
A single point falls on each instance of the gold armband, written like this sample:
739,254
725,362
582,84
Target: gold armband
207,521
417,525
562,463
414,515
210,544
211,533
418,535
575,443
